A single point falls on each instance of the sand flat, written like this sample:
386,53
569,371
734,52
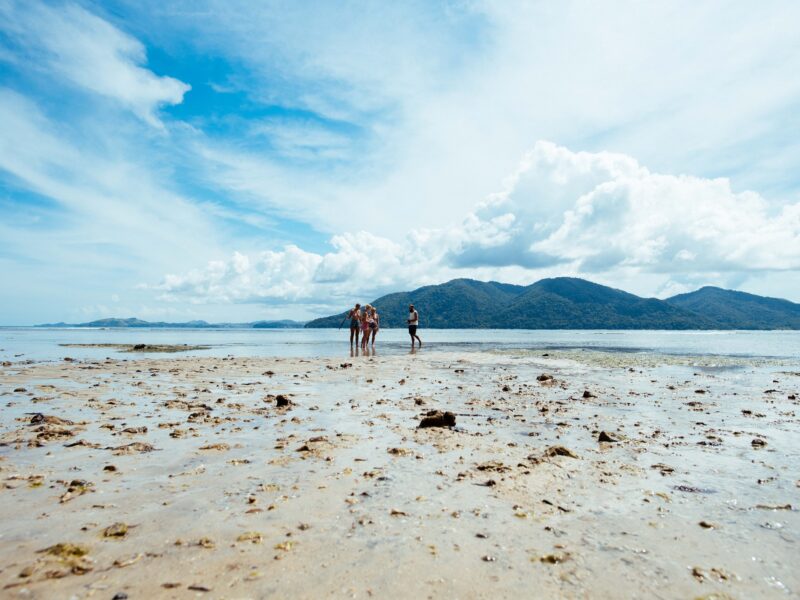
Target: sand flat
180,476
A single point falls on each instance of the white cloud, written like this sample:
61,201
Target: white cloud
89,52
109,215
560,212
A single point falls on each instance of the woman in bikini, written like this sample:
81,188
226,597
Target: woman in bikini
375,325
366,319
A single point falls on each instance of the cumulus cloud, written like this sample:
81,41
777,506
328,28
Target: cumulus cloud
90,53
559,212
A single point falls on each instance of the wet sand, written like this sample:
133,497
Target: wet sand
181,477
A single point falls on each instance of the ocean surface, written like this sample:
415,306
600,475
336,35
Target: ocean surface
27,343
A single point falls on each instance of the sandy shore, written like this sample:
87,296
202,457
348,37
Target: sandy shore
180,477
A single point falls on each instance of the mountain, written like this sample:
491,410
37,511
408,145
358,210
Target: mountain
572,303
729,309
138,323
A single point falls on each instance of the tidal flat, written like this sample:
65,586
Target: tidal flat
566,475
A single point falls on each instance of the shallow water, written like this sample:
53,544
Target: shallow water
27,343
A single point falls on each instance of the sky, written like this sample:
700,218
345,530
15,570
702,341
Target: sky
231,160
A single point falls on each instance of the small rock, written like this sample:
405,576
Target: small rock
758,443
281,401
607,437
437,418
560,451
117,530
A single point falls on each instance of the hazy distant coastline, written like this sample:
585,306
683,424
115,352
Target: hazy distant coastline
133,323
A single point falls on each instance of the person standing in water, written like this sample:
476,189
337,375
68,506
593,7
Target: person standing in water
355,317
375,325
413,322
366,326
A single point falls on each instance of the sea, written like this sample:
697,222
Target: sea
48,344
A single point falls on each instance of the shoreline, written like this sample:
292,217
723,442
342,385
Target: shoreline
319,497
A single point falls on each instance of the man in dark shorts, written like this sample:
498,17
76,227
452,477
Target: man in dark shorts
413,321
355,323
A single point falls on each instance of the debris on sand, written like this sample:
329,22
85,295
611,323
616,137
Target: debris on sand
158,348
117,530
559,451
46,433
399,451
73,557
610,438
222,447
663,469
544,377
83,443
253,537
39,418
437,418
555,558
135,430
132,448
77,487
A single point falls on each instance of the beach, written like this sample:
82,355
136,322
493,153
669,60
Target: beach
567,475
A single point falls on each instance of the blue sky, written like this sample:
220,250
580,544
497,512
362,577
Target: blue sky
235,160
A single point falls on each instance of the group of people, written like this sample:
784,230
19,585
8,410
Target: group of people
366,322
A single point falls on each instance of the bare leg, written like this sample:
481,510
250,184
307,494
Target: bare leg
419,340
374,333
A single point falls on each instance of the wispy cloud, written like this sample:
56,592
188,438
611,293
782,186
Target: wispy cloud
69,42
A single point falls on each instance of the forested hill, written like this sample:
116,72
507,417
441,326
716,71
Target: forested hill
572,303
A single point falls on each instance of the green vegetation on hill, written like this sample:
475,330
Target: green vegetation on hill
728,309
572,303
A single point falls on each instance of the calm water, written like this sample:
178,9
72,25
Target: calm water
20,343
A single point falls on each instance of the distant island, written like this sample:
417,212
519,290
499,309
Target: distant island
138,323
572,303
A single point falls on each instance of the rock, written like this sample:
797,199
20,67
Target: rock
221,446
139,346
117,530
560,451
135,430
120,596
588,394
706,525
758,443
253,537
607,437
555,558
281,401
544,377
399,451
131,448
38,418
437,418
